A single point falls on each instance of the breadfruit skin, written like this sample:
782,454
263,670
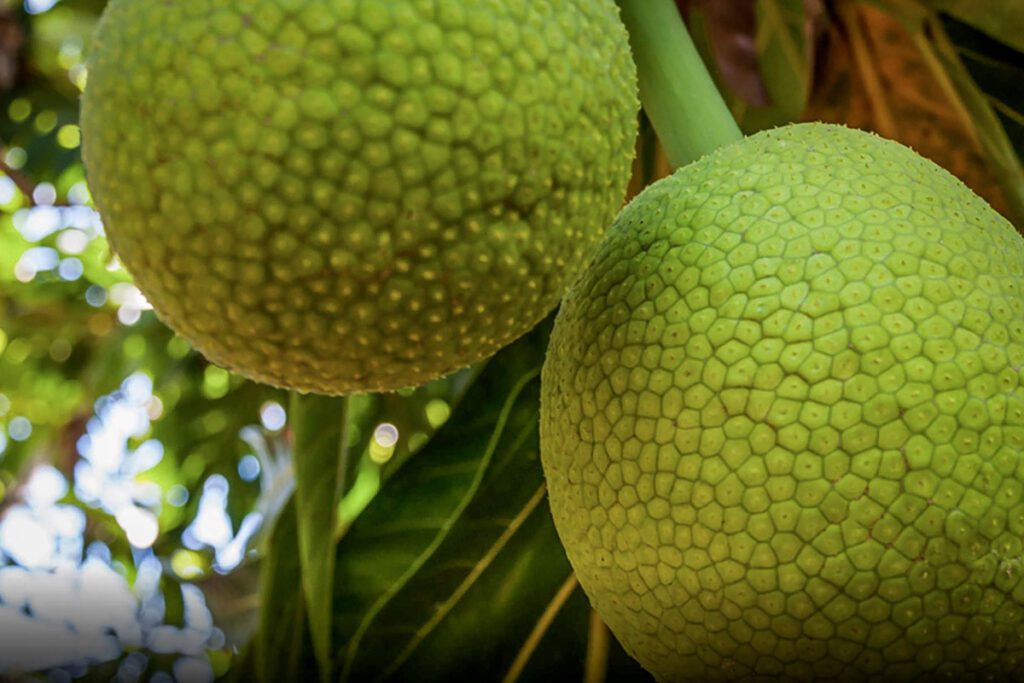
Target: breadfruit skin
343,196
782,419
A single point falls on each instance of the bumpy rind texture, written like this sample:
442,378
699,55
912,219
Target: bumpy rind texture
782,419
355,195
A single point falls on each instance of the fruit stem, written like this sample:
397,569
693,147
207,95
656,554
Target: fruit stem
676,90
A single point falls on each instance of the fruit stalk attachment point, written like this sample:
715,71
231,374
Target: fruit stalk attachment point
676,90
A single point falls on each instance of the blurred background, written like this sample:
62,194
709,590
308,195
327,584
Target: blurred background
139,484
136,480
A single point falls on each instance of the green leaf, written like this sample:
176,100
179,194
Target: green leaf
1001,19
455,569
320,425
459,546
283,649
464,608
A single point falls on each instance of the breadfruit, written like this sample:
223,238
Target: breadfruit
356,195
783,420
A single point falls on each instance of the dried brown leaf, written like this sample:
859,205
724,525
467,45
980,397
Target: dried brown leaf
872,75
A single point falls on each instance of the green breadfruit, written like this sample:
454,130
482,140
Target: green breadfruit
783,422
355,195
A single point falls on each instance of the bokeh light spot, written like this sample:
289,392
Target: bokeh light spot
16,157
177,496
438,412
216,382
273,416
69,136
249,467
19,109
385,438
96,296
386,435
19,428
178,347
46,121
44,194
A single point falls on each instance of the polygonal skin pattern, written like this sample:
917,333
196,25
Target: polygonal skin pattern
782,419
356,195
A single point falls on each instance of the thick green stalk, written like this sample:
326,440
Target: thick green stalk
676,90
320,426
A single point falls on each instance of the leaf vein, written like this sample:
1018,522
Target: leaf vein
417,564
468,582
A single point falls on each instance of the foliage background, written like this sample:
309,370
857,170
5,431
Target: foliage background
144,494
